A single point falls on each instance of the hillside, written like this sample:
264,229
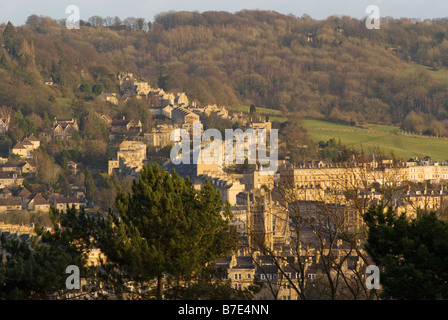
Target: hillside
325,69
374,137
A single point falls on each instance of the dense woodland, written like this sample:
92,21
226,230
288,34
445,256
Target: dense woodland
334,68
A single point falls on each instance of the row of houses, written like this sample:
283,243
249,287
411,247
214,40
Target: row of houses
63,130
23,199
369,170
20,167
130,87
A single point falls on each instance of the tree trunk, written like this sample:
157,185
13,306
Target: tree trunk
159,287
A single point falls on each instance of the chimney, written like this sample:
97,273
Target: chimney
233,261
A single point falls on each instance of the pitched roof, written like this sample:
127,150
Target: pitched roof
14,164
27,142
106,117
23,192
19,145
38,199
58,198
10,202
31,137
5,191
120,123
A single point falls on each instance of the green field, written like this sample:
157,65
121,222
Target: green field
259,110
379,136
441,74
274,115
384,137
65,101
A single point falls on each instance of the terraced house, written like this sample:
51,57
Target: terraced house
10,180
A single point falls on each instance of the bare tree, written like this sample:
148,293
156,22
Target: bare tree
109,21
47,170
5,114
96,21
322,253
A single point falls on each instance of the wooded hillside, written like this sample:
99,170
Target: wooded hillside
334,68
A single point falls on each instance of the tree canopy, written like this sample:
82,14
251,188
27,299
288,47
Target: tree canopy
413,254
165,231
166,227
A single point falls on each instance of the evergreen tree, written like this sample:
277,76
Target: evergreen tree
89,184
36,270
162,81
412,253
98,88
167,228
252,109
10,38
63,185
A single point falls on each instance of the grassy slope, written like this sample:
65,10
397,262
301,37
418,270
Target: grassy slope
374,136
383,137
274,115
441,74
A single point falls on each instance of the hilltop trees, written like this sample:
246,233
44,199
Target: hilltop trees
10,38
